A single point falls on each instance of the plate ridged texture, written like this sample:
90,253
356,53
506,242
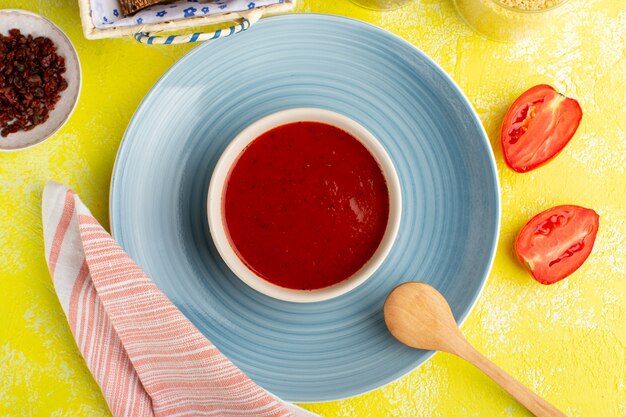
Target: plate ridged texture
337,348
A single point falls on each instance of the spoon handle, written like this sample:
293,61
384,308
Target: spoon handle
534,403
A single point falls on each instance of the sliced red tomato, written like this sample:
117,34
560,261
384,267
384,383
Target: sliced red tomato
556,242
537,127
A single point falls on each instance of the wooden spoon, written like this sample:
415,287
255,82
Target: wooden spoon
418,316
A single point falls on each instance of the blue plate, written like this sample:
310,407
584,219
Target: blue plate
337,348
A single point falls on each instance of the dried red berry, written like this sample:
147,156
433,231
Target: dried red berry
30,81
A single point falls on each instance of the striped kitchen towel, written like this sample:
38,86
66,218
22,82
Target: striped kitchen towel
148,359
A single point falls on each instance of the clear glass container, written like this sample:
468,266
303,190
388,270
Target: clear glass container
380,4
498,21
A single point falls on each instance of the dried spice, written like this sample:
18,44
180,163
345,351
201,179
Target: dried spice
31,80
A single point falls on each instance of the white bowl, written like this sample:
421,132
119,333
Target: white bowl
220,175
36,25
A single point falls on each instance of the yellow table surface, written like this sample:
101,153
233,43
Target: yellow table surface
566,341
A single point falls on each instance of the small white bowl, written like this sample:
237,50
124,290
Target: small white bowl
220,175
36,25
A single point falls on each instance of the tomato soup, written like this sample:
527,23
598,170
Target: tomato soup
305,205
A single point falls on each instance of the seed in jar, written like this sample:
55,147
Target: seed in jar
531,4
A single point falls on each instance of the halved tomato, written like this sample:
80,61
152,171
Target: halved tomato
537,127
556,242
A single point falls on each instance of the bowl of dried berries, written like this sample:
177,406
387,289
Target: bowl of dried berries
40,79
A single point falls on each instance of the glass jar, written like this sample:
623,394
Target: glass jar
498,21
380,4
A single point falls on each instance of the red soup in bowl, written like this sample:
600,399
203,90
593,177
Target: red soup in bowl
305,205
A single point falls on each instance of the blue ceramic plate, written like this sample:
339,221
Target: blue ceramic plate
337,348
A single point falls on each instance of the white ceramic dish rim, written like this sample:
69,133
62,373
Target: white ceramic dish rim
66,105
229,156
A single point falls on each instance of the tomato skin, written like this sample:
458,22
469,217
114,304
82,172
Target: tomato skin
537,126
556,242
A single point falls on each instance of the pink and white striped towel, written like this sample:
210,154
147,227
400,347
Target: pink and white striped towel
148,359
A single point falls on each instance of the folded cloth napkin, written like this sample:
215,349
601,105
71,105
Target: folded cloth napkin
148,359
